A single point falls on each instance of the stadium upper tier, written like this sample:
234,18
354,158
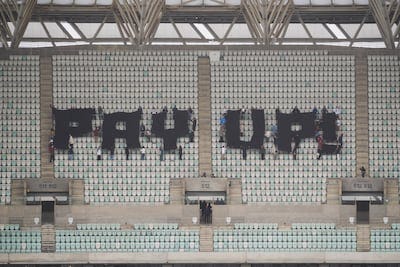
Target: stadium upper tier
383,107
240,79
125,81
283,80
20,119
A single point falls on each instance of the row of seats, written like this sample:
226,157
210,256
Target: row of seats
383,109
98,226
311,237
262,52
169,54
15,240
20,117
283,190
142,238
386,240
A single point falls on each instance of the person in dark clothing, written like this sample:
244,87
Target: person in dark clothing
209,214
276,145
324,110
142,130
202,211
296,140
140,110
51,150
161,153
320,141
339,145
174,110
191,137
165,109
363,171
112,153
127,153
262,152
190,113
296,110
71,152
194,124
180,152
100,113
244,152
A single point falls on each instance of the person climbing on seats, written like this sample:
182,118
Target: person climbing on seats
296,141
71,152
223,152
339,145
71,141
127,153
194,124
98,152
142,153
161,153
180,152
244,151
320,141
142,130
262,152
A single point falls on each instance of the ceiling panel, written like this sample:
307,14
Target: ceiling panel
219,29
186,30
54,30
239,31
35,30
109,30
166,30
296,30
318,31
88,29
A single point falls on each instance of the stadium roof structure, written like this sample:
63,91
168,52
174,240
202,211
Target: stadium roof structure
50,23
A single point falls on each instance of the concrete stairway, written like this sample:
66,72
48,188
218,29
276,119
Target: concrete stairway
48,238
204,120
206,239
333,191
176,191
234,192
17,192
361,73
46,99
363,238
77,188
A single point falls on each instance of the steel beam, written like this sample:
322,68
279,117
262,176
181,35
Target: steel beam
139,19
267,19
